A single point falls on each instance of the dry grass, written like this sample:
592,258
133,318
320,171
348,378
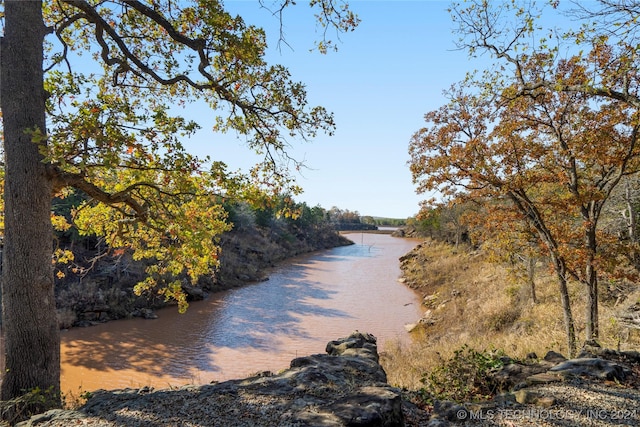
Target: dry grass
482,304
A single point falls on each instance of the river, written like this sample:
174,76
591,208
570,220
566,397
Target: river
306,302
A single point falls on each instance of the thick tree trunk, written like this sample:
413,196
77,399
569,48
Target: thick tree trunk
32,344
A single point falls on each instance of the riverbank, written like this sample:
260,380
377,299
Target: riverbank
475,310
347,387
332,389
470,300
106,292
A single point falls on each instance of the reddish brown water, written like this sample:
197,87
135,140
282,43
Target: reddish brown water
306,303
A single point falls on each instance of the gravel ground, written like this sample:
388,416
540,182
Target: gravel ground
187,407
577,403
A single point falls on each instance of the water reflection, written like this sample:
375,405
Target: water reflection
306,303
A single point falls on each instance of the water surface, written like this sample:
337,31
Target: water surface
306,302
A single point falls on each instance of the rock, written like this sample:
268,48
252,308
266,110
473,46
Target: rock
514,375
593,367
543,378
410,327
430,300
504,399
66,417
194,293
554,357
546,401
526,397
427,321
589,344
629,357
399,232
506,360
355,344
368,406
145,313
449,411
437,422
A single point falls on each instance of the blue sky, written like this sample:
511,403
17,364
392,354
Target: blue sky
385,76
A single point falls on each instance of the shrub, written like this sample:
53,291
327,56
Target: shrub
74,400
465,377
502,319
23,407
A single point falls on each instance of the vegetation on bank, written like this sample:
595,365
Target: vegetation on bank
98,284
476,309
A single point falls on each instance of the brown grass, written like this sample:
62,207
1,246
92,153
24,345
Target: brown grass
484,305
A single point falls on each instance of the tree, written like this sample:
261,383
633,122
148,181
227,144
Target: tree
107,130
32,342
532,133
542,155
607,75
368,220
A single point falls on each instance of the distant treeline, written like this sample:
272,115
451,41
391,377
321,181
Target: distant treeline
344,219
390,222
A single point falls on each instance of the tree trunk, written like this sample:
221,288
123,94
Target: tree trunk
592,327
591,279
32,341
566,304
531,271
631,217
535,219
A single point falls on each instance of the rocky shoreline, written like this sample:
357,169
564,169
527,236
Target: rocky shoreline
348,387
